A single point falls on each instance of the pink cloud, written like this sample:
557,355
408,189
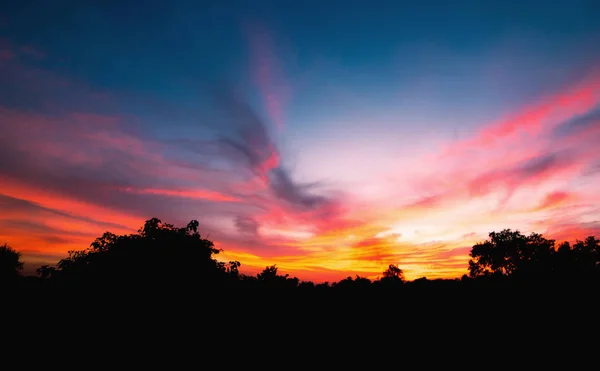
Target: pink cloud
538,117
574,231
556,199
186,193
505,175
268,74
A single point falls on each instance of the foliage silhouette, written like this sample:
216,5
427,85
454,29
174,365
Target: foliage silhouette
270,279
507,252
511,255
393,274
163,258
160,254
10,264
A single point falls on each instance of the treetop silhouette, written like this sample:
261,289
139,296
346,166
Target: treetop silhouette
10,263
165,256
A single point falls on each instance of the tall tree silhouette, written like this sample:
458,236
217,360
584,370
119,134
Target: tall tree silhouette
392,278
393,274
10,263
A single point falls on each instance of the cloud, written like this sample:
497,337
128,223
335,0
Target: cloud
284,188
11,206
584,122
556,199
247,225
528,172
95,172
90,159
541,116
73,164
186,193
49,234
267,73
245,135
571,232
248,137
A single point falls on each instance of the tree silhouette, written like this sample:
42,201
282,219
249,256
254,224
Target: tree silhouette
587,254
10,263
269,278
268,274
508,252
579,261
233,268
393,274
162,256
159,253
393,277
350,284
46,271
306,285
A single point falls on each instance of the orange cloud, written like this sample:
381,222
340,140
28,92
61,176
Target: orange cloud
573,232
65,204
556,199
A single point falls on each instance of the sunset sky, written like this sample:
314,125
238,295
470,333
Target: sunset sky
331,138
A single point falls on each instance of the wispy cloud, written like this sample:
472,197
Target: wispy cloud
70,170
185,193
267,71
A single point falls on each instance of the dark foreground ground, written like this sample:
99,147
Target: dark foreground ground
428,303
426,327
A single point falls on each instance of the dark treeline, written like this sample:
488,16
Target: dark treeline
167,280
163,287
168,258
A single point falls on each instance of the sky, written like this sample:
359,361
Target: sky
330,138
